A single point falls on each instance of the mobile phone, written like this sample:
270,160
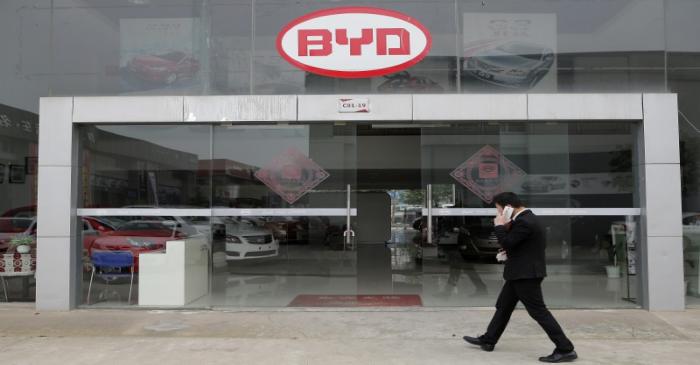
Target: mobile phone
508,212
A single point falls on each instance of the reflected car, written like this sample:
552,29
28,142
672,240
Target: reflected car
164,68
244,240
514,64
141,236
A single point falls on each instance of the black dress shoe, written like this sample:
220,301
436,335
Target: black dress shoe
560,357
477,341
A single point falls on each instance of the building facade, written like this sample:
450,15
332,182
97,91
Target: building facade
227,154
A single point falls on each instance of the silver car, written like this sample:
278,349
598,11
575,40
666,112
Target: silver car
515,64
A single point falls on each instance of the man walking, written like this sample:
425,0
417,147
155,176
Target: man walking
522,239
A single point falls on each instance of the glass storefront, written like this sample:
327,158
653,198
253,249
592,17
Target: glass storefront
18,192
259,213
227,47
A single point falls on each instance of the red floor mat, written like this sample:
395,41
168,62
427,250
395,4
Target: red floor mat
356,301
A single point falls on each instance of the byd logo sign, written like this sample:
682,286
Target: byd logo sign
354,42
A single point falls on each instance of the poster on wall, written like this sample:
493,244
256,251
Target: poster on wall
159,53
577,184
509,51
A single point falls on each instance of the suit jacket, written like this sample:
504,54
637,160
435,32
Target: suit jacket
524,242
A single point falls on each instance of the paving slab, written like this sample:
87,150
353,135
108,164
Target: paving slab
371,336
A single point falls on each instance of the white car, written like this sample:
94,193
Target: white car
246,241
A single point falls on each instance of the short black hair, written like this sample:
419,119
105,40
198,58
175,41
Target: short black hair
508,198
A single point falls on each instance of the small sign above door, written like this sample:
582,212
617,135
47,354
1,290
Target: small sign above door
353,105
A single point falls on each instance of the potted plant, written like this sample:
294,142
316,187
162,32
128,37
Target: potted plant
22,243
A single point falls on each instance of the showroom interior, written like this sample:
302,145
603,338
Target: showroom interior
287,203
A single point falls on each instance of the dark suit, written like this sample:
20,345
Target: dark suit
524,242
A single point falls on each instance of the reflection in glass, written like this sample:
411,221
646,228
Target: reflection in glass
145,166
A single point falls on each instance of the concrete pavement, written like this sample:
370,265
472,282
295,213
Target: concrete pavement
325,336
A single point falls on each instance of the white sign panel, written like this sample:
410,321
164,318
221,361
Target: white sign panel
354,42
353,105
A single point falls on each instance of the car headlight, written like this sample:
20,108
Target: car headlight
232,239
140,243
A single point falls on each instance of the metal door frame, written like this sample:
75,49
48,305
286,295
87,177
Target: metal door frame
658,163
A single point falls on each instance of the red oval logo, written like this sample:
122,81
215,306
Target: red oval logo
354,42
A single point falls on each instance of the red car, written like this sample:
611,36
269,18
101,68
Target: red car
164,68
26,211
11,227
140,236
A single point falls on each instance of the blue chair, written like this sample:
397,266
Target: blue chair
108,266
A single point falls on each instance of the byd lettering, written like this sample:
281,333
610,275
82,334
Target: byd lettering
319,42
354,42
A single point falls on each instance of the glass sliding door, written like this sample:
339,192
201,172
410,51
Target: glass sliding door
144,206
577,176
281,207
351,214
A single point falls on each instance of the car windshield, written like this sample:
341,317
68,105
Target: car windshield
172,56
15,225
145,226
522,50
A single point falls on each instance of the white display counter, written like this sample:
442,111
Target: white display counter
176,277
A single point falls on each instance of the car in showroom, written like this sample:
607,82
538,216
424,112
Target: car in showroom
164,68
244,240
478,239
514,64
474,237
141,236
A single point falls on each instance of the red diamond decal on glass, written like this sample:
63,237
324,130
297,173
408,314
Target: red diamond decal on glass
291,175
487,173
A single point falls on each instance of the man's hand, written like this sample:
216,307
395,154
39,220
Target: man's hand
500,220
